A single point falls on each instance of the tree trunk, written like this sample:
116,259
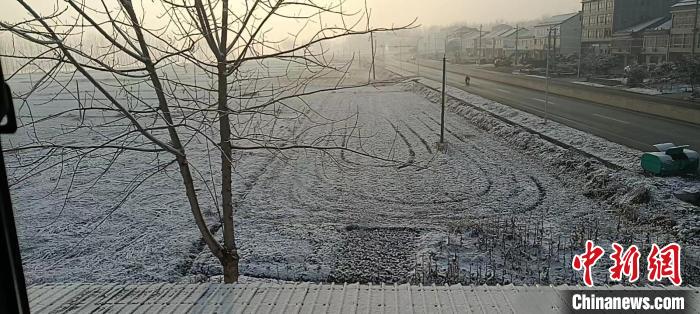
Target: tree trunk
230,264
230,260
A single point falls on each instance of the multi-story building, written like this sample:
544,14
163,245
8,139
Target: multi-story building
629,43
562,33
682,30
603,18
656,42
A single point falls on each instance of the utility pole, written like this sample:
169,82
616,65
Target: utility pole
580,41
371,38
481,51
418,56
546,93
517,32
695,43
556,30
401,53
695,29
461,46
442,115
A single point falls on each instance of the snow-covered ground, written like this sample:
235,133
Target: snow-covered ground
638,90
644,205
502,205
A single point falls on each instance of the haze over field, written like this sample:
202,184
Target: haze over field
441,12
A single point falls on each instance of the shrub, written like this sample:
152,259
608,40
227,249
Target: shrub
636,74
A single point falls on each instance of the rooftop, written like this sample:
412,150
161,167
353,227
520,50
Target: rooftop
302,298
650,24
497,33
521,32
664,26
684,3
558,19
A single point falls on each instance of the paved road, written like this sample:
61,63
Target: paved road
630,128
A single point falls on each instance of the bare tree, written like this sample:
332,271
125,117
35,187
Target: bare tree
204,71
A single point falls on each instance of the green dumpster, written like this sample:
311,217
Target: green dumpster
670,160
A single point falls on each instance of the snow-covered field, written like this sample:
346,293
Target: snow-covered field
502,205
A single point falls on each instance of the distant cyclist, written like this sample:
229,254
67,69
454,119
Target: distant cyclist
467,80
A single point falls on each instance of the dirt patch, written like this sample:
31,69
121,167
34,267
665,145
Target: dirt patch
373,255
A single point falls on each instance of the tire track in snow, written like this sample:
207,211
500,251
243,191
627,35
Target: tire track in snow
513,191
541,195
448,128
425,143
411,152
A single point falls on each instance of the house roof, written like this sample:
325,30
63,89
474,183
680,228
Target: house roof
684,3
558,19
471,35
646,25
508,32
465,30
520,31
498,33
664,26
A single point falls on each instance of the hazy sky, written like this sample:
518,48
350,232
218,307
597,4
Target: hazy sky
429,12
445,12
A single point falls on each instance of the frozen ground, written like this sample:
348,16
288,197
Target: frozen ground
638,90
501,206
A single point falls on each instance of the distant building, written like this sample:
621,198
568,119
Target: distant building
432,44
489,41
656,43
628,43
565,39
526,44
471,43
511,42
603,18
460,41
683,17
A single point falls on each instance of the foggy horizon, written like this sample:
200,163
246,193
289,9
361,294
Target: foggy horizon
388,12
